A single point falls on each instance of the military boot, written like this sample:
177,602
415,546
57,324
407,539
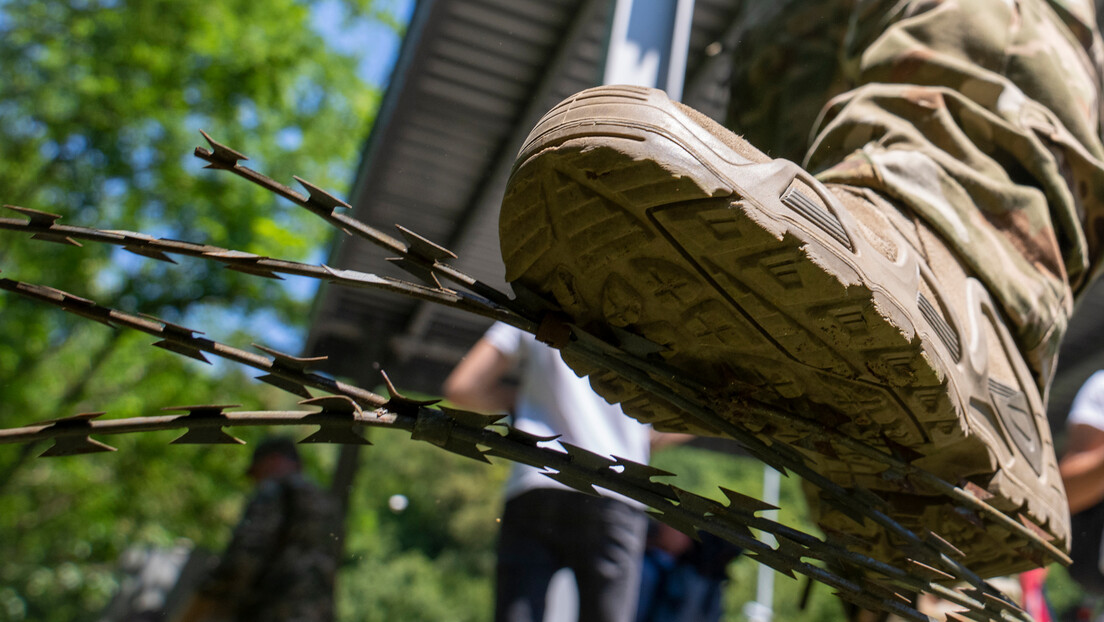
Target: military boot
632,213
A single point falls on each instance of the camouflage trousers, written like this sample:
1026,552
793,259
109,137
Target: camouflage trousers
980,116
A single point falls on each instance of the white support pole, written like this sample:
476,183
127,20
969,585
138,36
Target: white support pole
762,608
648,44
680,45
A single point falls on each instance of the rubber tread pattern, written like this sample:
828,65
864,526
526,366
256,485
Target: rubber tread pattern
752,305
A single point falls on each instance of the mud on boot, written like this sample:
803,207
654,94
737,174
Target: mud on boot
629,211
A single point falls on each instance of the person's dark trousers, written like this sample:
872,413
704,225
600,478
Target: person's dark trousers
600,539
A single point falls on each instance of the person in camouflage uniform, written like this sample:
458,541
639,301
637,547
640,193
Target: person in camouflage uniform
966,132
282,558
981,117
985,121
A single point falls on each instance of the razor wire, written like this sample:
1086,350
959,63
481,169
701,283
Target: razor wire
932,565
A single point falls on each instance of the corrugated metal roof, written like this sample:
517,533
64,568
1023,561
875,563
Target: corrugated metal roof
472,78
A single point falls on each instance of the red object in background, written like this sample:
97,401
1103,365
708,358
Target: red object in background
1034,602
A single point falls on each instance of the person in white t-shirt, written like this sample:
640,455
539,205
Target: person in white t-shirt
1082,469
1082,465
547,526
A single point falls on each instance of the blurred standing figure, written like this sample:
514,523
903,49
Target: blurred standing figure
1082,468
683,578
282,559
547,526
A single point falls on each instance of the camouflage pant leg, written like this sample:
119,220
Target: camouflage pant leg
983,117
787,65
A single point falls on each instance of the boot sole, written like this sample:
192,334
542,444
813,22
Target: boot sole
750,278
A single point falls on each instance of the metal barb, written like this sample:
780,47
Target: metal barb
219,156
320,200
738,502
424,249
72,437
205,424
36,218
337,421
43,224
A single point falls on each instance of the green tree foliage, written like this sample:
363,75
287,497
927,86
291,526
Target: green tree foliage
101,105
434,559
